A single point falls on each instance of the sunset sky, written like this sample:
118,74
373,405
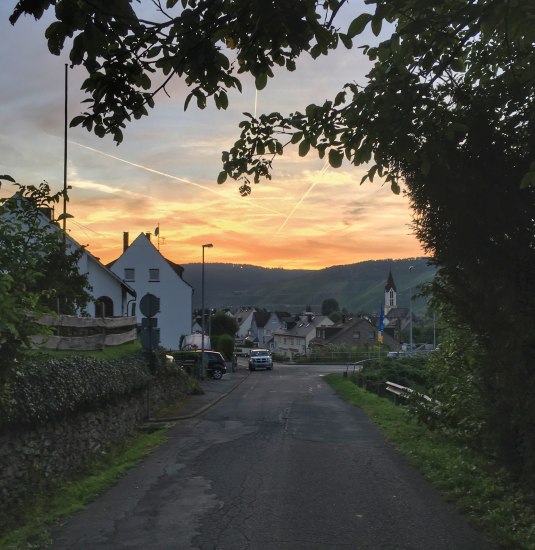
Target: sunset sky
308,216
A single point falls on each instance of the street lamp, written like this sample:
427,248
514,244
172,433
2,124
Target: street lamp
209,245
410,310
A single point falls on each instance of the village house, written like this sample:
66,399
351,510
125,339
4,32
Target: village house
352,332
145,269
297,333
111,296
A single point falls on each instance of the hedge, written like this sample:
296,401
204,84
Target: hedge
38,390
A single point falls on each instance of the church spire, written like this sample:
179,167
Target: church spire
391,298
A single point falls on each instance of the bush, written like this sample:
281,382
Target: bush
412,372
44,388
455,386
225,345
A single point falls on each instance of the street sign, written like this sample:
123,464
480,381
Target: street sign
149,305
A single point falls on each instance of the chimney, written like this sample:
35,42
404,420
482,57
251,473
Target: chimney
148,236
125,240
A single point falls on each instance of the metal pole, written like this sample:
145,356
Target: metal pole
203,370
410,311
410,319
65,156
434,332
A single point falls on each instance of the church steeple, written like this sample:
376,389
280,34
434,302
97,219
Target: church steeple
391,297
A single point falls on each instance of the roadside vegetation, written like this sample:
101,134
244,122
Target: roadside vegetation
496,502
27,526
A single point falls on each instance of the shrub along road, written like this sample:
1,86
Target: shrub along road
281,463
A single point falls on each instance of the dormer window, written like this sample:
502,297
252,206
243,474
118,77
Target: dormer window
129,274
154,274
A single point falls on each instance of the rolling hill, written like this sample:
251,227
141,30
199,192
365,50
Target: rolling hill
356,287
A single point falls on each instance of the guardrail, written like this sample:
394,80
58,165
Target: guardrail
404,392
357,366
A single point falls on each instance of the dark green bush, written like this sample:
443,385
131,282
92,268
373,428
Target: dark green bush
412,372
39,389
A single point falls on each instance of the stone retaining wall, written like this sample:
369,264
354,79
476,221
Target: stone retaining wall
33,456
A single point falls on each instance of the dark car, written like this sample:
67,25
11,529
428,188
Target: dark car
215,363
191,361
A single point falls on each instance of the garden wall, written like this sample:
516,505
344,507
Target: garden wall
31,456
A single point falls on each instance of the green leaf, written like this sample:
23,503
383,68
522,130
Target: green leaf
77,120
7,178
297,137
222,177
377,23
304,148
201,101
188,99
346,41
261,81
358,25
335,158
528,180
223,100
339,99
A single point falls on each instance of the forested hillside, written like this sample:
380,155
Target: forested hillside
356,287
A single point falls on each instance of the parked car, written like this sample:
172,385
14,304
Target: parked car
191,361
215,363
398,354
260,359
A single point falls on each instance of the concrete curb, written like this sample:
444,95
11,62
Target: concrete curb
200,411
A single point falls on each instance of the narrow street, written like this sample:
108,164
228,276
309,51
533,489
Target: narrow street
281,463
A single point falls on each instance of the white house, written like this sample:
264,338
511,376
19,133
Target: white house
111,295
264,325
143,267
244,317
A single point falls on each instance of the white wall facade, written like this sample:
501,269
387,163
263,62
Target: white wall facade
143,268
104,284
244,328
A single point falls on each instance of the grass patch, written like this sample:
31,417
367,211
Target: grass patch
110,352
483,490
28,527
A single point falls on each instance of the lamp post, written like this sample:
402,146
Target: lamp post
209,245
410,310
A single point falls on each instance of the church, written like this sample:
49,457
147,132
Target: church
396,319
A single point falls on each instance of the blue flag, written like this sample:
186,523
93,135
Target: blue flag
381,324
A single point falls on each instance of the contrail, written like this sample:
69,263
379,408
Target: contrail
303,197
164,174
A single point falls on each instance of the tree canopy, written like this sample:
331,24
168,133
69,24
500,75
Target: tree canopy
329,305
37,274
221,323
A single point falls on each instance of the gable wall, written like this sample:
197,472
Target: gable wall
174,318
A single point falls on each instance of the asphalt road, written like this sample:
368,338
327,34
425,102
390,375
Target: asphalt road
281,463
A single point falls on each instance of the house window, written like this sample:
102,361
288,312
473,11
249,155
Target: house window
129,274
154,274
372,335
356,334
391,297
